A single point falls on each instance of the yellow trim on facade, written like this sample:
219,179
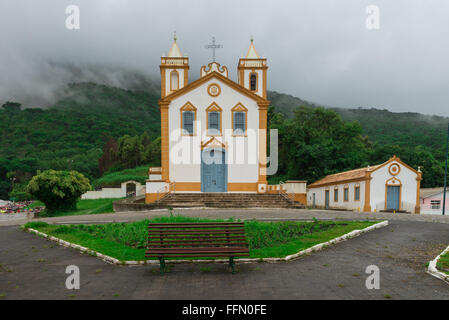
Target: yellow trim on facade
213,142
171,80
239,107
209,87
257,81
387,184
220,77
188,106
418,191
367,204
164,142
214,108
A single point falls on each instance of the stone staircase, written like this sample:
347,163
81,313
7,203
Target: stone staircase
227,200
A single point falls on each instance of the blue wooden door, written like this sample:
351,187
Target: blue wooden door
393,197
213,171
326,199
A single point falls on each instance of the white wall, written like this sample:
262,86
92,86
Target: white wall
295,186
351,204
107,193
408,192
240,169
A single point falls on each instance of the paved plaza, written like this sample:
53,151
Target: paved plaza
34,268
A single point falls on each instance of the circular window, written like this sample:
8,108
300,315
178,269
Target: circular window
214,90
394,169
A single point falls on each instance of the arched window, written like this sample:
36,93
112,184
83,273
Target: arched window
174,80
253,81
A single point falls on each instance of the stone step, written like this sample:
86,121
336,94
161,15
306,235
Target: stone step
228,200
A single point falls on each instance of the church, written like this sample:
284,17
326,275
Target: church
213,129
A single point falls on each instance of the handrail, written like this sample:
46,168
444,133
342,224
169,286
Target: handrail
284,193
165,191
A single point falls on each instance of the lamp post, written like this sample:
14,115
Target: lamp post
445,171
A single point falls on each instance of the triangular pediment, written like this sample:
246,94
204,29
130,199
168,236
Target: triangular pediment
214,107
213,143
213,75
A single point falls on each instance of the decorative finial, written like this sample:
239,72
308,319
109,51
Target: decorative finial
419,168
174,36
252,39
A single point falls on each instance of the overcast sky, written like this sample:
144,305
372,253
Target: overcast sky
318,50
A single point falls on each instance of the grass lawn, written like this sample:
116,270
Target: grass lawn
127,241
82,207
443,263
114,179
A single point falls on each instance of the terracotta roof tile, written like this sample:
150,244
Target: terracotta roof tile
343,176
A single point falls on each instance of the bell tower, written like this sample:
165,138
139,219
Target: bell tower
174,70
252,72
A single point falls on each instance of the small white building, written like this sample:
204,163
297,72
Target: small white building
391,186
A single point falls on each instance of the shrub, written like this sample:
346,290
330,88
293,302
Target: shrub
58,190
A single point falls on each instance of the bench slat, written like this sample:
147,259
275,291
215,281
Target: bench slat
176,237
230,226
201,256
171,232
189,240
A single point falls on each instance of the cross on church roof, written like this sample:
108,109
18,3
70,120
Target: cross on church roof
213,46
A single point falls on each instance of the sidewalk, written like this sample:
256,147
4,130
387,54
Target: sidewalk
243,214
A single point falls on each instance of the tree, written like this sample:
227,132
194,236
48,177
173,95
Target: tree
109,157
12,106
58,190
317,142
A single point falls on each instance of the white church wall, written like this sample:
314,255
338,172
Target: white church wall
408,189
191,172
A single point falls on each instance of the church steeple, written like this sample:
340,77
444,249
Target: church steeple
252,71
174,70
174,51
252,53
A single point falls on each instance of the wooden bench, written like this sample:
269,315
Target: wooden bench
185,240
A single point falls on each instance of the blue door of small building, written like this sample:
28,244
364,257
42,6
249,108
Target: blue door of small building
213,171
393,197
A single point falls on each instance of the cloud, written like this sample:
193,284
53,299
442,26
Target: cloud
317,50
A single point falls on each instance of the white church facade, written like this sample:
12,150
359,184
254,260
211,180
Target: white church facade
213,130
391,186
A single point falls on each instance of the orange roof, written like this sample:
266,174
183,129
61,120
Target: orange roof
357,174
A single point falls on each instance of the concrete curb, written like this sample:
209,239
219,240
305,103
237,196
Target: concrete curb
432,268
291,257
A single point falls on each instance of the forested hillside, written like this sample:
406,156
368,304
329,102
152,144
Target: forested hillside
90,118
382,126
71,133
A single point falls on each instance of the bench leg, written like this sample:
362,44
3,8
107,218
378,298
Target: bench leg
162,265
231,263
